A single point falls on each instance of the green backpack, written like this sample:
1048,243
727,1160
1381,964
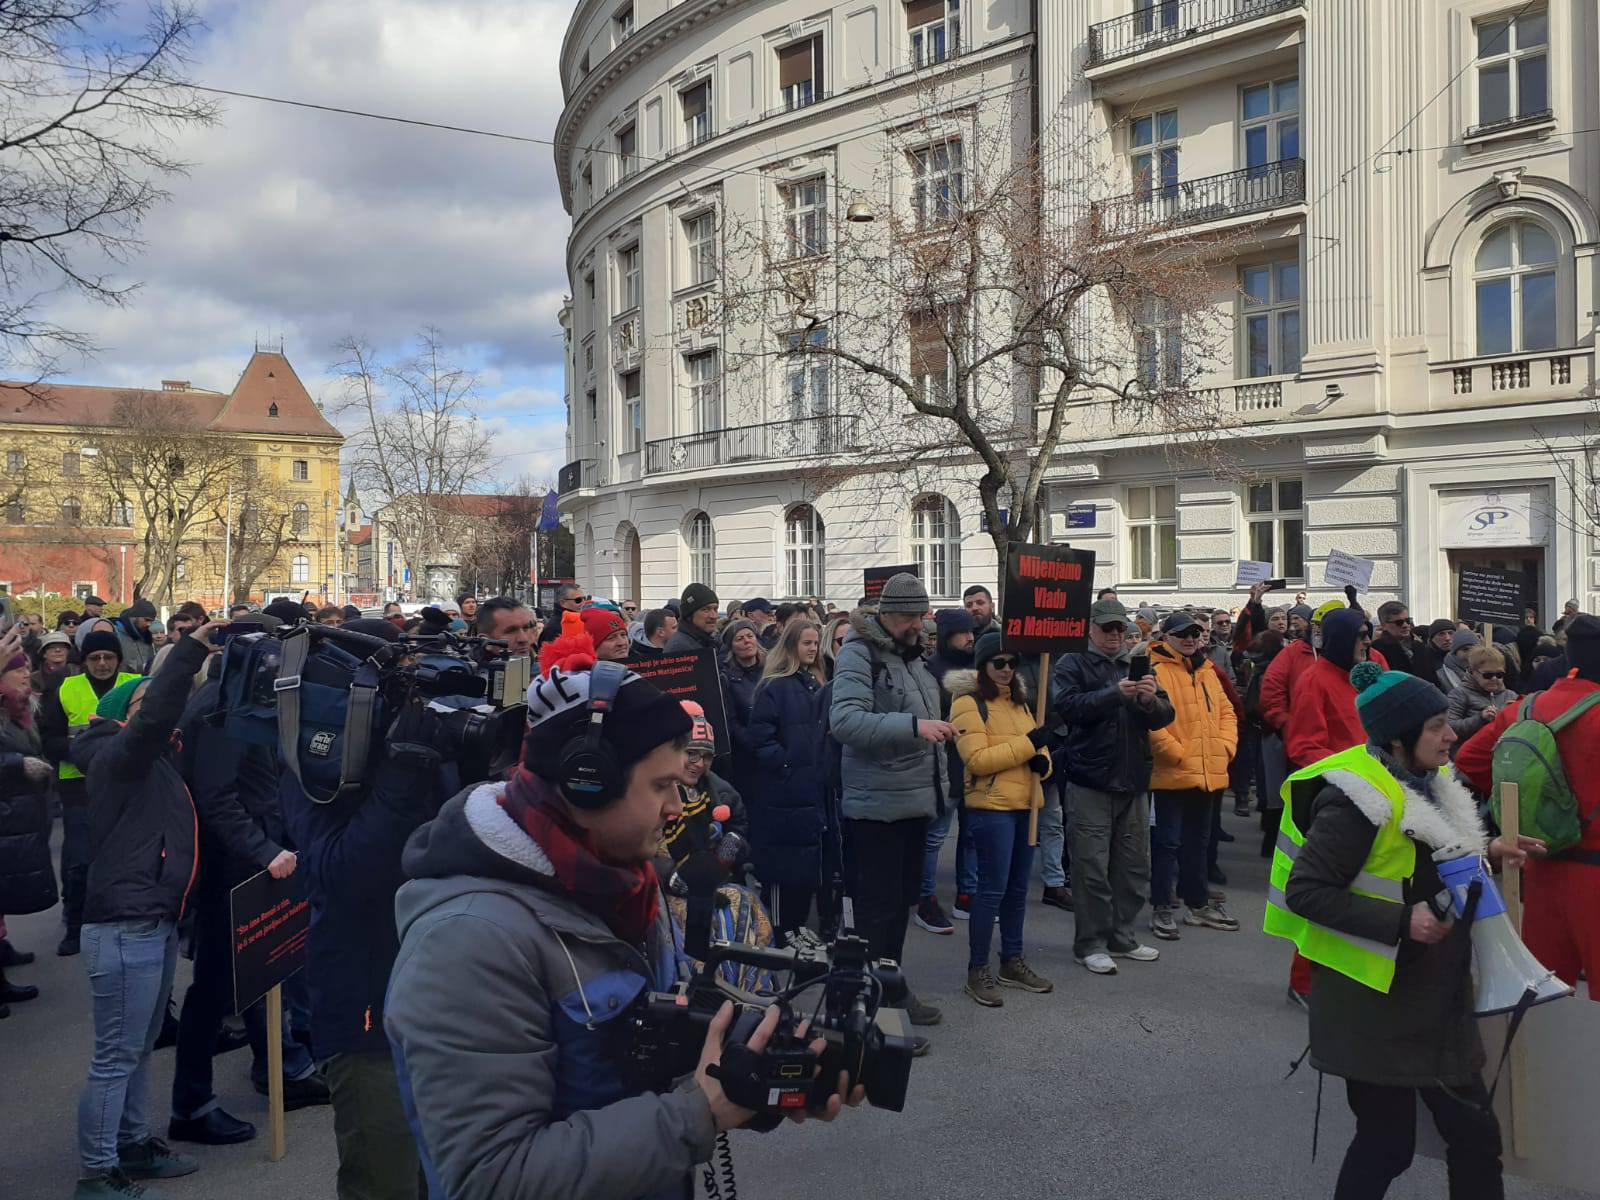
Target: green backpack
1527,756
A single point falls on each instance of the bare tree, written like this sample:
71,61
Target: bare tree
248,526
85,122
413,438
991,313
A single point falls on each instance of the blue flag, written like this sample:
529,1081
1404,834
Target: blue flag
549,518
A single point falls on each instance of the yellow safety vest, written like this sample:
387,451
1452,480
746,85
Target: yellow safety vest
78,701
1391,861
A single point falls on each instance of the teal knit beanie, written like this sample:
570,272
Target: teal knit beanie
113,705
1392,704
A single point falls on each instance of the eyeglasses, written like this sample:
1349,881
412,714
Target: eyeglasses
1003,663
696,756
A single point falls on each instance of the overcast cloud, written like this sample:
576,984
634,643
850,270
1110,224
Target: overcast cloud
313,226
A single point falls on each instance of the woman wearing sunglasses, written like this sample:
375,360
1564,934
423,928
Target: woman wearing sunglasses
1475,703
1003,752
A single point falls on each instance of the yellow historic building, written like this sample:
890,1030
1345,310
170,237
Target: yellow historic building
175,494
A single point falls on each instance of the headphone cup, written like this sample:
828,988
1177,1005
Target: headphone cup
589,779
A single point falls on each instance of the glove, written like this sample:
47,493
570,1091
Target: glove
1039,737
1039,764
1350,594
415,731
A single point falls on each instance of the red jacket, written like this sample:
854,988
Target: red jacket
1323,718
1579,745
1281,681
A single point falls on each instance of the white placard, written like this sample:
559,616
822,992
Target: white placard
1346,570
1251,572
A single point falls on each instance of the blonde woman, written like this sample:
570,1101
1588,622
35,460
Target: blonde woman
1475,702
833,635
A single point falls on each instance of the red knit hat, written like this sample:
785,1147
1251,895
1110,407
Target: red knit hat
601,623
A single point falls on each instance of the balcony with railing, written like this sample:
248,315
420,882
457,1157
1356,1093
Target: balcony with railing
577,475
776,441
1247,192
1157,24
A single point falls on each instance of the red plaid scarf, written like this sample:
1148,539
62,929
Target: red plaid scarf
624,897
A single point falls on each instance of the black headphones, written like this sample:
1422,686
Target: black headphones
591,777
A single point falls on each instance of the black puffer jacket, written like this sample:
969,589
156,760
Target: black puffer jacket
1106,741
1422,1032
143,829
27,880
789,809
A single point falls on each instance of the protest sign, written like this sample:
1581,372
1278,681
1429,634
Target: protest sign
1252,572
873,578
1491,596
691,677
1348,570
271,921
1048,593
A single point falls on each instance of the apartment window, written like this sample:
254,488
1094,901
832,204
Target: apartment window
805,215
1152,518
1513,67
16,461
82,589
120,513
588,287
702,551
624,22
69,463
633,412
627,163
697,113
1158,344
803,552
300,569
808,378
800,73
938,182
936,546
586,179
588,357
1270,318
300,522
592,400
700,237
628,268
302,470
1156,16
16,514
1276,515
1514,281
930,355
1269,120
705,390
1153,142
71,511
935,27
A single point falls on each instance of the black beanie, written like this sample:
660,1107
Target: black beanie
286,610
641,719
695,597
101,639
1583,646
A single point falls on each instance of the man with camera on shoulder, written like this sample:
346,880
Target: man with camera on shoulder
531,927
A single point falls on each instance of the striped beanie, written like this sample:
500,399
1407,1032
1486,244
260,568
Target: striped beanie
1391,704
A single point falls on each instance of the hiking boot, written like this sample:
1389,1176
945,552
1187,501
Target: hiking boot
1139,953
154,1159
113,1183
1015,972
919,1013
1162,924
1098,963
982,987
931,917
1212,916
961,910
1059,897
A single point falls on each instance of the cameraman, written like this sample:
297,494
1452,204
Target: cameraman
531,925
350,852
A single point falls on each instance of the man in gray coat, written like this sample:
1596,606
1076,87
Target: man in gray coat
885,715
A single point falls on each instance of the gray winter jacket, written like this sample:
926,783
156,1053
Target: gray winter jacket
1468,703
879,695
507,1010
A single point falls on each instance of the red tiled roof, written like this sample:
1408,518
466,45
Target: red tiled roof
361,536
269,380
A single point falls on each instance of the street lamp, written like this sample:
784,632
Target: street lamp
859,212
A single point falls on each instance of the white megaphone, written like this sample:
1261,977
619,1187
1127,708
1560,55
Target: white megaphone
1505,976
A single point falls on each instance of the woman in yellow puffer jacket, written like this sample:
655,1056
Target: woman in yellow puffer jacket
1191,770
1002,751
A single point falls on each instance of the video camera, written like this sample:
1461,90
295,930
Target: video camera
866,1039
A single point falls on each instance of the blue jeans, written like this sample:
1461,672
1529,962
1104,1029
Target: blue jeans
1054,858
1005,864
966,854
130,965
1179,841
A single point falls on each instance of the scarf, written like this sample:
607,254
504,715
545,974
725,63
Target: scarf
625,897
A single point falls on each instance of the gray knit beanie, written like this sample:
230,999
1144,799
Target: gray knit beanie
903,593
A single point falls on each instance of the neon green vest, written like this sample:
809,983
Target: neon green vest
1392,861
78,701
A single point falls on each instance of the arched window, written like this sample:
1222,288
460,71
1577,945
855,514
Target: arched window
1514,285
71,510
300,569
936,545
302,518
804,552
702,551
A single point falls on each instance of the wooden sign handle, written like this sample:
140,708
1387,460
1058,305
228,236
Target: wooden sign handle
275,1070
1038,720
1518,1100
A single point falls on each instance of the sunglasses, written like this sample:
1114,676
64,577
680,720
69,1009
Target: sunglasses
1113,628
1492,674
1405,621
1185,635
1003,663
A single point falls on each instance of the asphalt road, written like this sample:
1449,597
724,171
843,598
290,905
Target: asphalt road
1166,1080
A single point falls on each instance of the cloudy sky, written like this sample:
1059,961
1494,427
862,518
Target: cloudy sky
313,227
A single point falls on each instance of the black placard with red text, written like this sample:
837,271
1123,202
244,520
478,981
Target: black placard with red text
691,677
271,920
873,578
1048,593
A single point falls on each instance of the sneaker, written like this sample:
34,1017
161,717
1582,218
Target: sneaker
1295,997
1059,897
114,1183
1162,924
1098,963
982,987
1212,916
919,1013
154,1159
1015,972
961,910
1140,953
931,917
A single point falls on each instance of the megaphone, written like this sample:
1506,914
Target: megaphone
1504,973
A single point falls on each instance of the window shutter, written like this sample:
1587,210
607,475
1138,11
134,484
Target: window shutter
923,12
795,63
695,100
929,353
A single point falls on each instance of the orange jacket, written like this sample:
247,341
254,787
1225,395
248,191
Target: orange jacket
1195,750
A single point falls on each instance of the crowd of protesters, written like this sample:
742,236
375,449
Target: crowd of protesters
856,742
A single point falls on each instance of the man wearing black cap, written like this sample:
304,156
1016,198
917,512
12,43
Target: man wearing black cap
697,621
133,628
93,607
467,605
536,897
